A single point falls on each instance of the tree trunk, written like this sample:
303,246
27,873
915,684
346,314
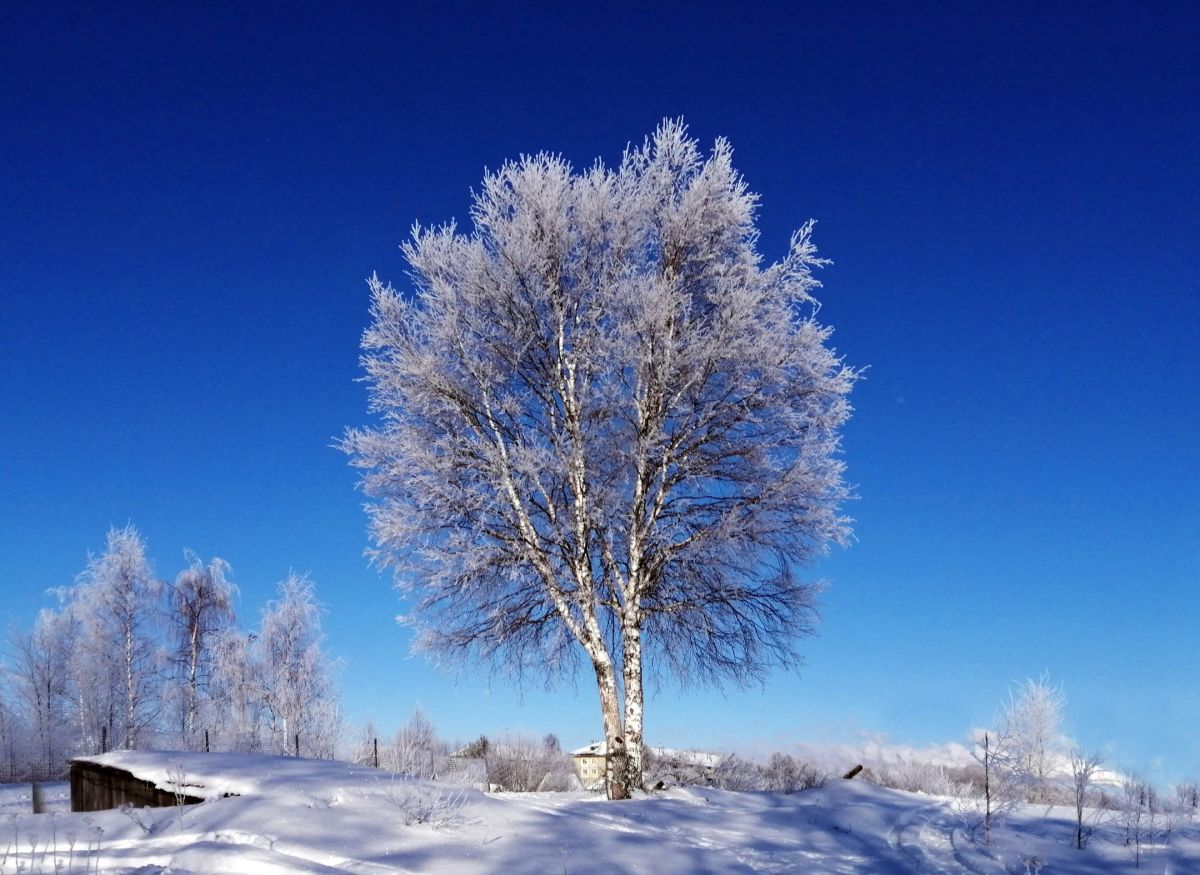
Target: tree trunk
632,656
130,692
614,740
193,680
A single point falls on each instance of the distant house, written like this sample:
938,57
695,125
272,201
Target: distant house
589,764
684,766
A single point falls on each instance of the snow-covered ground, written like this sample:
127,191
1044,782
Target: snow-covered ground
304,816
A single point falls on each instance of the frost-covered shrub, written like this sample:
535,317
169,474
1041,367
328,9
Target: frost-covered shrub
524,764
735,773
783,773
917,776
786,774
421,802
674,769
414,751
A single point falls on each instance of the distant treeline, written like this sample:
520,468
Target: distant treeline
129,660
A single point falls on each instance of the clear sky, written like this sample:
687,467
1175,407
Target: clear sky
192,195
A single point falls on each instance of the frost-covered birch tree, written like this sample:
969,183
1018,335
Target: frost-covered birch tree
200,609
237,690
10,728
116,663
608,430
296,676
41,681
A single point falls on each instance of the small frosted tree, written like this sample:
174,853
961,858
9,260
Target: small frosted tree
996,787
1002,788
1136,805
415,747
1083,772
1187,799
608,432
1031,734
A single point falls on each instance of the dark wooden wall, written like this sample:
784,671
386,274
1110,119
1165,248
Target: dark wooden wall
96,788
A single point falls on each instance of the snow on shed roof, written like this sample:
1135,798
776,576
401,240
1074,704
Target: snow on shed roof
210,775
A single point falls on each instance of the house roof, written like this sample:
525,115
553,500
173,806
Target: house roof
595,749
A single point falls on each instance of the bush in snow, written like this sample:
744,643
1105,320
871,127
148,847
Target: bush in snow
421,802
786,774
735,773
524,764
673,769
913,775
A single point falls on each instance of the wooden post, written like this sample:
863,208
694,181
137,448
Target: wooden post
103,739
206,741
297,745
376,753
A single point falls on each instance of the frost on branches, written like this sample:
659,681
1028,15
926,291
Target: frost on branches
606,429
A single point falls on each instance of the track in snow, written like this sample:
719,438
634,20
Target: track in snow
925,838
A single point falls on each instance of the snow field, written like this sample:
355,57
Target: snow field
306,816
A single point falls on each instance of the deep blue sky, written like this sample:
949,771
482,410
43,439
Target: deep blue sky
191,197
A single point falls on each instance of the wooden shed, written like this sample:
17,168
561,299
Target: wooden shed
96,787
